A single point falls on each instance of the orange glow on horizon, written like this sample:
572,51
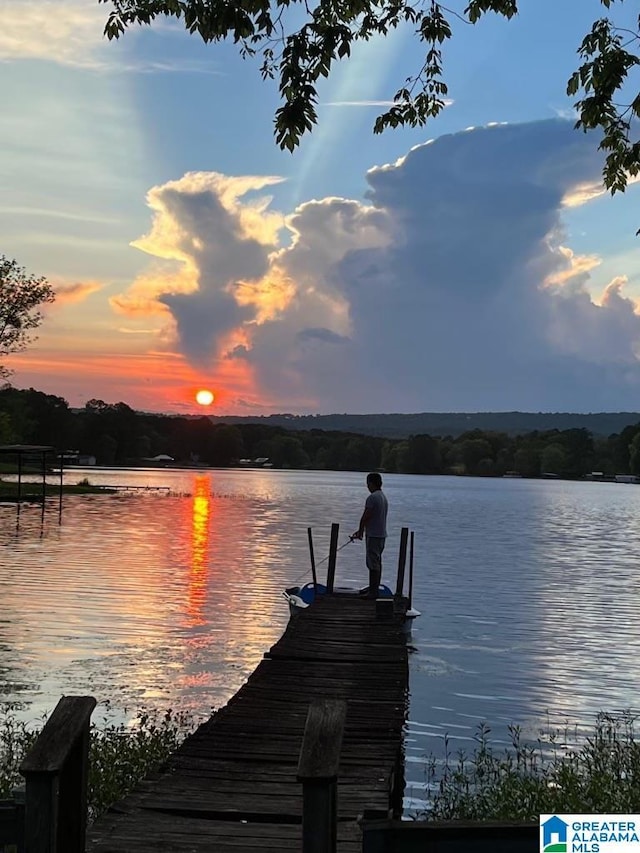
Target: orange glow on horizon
162,382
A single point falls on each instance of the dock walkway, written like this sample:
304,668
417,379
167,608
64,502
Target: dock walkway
232,786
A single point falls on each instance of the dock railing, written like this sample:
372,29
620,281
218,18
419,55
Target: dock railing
333,554
56,770
318,772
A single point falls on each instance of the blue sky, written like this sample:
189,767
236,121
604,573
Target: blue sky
142,178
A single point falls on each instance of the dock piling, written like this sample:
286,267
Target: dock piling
411,571
318,772
313,560
333,552
402,561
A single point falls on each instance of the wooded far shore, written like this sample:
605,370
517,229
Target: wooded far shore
116,435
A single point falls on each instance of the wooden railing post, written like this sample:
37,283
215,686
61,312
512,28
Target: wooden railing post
333,552
56,770
318,772
411,571
402,560
313,560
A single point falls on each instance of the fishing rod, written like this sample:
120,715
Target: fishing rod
315,565
348,542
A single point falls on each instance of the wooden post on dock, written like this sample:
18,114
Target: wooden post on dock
313,560
56,770
333,552
410,571
402,561
318,772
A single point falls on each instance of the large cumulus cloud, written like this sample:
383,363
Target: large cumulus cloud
450,287
222,248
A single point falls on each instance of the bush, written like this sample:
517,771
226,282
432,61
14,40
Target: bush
120,755
15,740
598,774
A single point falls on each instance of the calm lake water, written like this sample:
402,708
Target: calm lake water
529,592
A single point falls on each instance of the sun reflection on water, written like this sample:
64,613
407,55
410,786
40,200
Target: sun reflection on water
200,526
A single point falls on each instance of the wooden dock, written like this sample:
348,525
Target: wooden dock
233,785
306,757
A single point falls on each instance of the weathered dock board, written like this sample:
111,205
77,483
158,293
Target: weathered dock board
232,785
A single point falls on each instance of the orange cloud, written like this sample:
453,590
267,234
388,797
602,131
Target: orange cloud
141,299
583,193
578,267
137,306
171,240
125,331
168,239
270,296
589,190
152,381
613,292
67,294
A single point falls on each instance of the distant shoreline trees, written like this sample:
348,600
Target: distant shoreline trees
117,435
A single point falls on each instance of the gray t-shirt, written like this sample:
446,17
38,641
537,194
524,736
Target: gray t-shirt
377,523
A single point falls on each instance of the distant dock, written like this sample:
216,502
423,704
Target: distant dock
107,487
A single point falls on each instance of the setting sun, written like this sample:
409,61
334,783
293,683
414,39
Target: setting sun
204,397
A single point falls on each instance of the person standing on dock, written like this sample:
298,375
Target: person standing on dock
373,525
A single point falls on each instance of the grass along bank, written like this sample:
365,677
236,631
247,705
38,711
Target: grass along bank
598,773
120,755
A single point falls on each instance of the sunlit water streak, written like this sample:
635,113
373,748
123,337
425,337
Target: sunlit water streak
528,592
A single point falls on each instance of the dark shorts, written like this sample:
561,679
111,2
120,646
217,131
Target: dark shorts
375,547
